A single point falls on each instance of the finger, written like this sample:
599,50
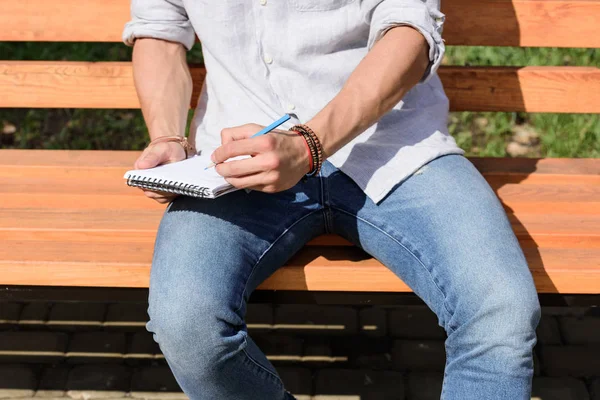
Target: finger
159,196
248,166
250,181
239,132
241,147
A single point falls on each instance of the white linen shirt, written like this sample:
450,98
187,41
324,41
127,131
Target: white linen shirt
265,58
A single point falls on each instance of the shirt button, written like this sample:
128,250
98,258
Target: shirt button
268,59
263,2
291,107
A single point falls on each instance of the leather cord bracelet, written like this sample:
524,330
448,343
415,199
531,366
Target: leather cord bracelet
314,145
182,140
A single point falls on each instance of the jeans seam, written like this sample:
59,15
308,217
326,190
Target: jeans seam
409,251
257,364
260,258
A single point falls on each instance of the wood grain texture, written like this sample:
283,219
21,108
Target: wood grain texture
557,23
88,228
86,160
110,85
534,23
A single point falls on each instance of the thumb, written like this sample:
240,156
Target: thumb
150,160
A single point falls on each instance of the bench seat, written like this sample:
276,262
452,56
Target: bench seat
68,219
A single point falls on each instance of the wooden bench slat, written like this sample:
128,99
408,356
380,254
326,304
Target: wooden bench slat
331,269
134,200
123,159
110,85
558,23
525,23
569,236
525,225
105,237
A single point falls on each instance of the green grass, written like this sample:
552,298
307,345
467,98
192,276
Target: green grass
480,134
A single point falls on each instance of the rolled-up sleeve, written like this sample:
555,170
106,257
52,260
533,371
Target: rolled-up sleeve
159,19
423,15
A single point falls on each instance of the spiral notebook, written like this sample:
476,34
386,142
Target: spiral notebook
187,177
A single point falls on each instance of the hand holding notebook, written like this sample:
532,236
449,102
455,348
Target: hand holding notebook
187,177
191,177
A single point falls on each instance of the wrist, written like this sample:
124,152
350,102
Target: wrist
174,141
314,146
304,156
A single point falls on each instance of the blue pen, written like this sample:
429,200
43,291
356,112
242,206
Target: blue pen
266,129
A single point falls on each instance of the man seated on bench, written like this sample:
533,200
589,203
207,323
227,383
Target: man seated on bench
359,79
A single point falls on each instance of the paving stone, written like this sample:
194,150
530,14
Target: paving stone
159,395
314,319
76,316
35,315
334,384
372,321
575,361
142,348
564,311
545,388
9,314
414,322
419,355
548,331
365,352
280,348
317,351
259,317
425,385
585,330
17,380
96,347
32,346
127,317
98,381
537,365
595,389
297,381
53,381
154,379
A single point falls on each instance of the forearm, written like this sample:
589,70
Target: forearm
394,65
163,84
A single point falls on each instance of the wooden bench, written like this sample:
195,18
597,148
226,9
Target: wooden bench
68,219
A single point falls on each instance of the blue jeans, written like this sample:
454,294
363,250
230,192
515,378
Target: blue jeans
443,231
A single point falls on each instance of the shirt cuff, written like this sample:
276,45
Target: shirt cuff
429,22
180,32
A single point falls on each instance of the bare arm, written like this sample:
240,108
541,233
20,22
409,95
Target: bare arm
394,65
164,85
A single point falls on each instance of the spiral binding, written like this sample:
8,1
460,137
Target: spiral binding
163,185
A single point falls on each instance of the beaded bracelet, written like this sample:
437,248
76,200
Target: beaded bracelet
310,157
311,151
317,149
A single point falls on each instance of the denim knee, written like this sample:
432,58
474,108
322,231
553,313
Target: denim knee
505,314
196,336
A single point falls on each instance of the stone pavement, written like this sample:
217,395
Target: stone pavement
78,350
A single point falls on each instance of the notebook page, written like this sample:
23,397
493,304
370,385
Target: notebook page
190,171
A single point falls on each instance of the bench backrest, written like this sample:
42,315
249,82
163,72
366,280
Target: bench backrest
539,23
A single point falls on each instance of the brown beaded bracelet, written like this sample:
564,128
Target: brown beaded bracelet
313,151
314,144
312,154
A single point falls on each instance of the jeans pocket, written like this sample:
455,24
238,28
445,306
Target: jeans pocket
319,5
